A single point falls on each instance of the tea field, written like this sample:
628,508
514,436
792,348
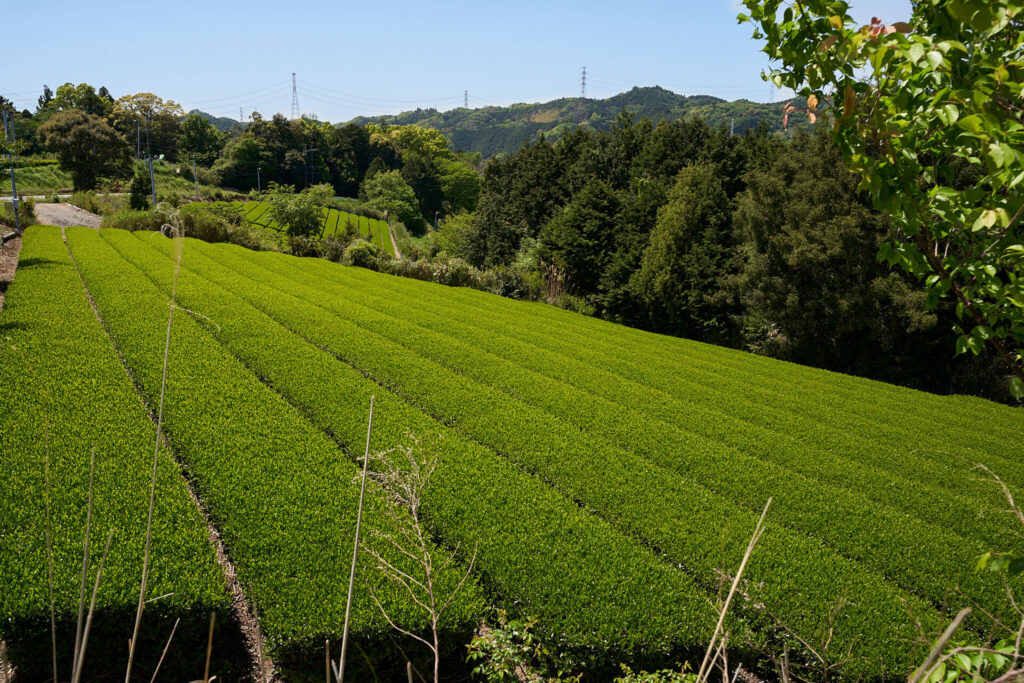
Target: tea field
333,221
606,477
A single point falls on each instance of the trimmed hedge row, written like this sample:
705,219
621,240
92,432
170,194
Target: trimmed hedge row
563,384
540,551
758,390
691,526
904,415
333,220
280,492
63,389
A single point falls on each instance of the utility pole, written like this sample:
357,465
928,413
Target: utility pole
732,126
14,185
259,188
149,153
435,221
138,140
583,94
295,99
194,176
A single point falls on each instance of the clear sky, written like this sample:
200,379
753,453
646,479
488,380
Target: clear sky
375,58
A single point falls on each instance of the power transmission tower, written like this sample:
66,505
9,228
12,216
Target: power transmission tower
295,99
241,119
583,94
465,99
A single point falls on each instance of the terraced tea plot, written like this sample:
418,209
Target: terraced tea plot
333,222
606,476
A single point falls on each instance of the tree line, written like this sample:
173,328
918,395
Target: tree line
750,241
409,172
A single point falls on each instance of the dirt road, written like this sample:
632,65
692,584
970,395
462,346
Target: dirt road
8,263
65,215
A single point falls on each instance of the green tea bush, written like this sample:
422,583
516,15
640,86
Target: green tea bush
260,467
132,219
65,395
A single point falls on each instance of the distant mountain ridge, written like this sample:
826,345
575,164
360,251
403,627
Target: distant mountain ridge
496,130
221,123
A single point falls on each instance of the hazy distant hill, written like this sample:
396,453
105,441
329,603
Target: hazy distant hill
221,123
493,130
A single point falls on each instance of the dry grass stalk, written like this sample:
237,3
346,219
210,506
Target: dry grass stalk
404,480
85,556
156,457
80,655
340,673
705,669
209,648
164,653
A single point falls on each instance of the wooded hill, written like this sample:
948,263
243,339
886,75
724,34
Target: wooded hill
497,130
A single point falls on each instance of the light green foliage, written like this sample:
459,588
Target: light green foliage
388,192
261,468
455,235
509,651
533,543
936,136
461,186
438,375
333,223
663,676
426,142
362,254
82,97
299,212
64,394
614,536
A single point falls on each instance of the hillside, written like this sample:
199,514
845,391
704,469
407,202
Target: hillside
221,123
601,477
497,130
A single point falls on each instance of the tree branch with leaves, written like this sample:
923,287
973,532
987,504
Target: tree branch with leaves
928,112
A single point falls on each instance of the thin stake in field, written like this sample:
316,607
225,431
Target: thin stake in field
340,671
156,455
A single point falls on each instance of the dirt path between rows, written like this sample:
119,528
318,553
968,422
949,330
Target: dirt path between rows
65,215
8,264
394,242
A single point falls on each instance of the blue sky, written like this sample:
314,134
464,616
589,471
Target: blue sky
374,58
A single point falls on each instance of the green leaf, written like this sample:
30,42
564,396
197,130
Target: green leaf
934,58
1017,388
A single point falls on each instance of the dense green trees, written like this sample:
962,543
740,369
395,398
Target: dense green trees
911,101
679,279
388,192
199,139
749,241
86,146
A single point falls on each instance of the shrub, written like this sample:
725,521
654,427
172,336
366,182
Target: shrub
362,254
138,200
576,304
131,219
